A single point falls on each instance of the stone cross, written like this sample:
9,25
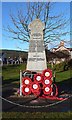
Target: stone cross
36,55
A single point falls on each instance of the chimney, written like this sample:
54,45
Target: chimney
62,43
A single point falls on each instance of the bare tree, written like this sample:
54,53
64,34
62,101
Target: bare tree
55,26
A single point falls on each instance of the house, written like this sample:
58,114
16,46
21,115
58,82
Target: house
61,47
62,53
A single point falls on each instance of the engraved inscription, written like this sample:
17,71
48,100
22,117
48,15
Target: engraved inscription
36,46
36,59
36,34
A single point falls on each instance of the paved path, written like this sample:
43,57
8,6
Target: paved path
64,106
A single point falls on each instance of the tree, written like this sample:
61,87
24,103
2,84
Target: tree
55,26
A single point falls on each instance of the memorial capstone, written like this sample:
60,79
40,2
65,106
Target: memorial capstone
36,55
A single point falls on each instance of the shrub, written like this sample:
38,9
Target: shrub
63,66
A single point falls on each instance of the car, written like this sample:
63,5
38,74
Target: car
29,74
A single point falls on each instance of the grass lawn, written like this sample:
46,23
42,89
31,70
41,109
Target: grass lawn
65,75
11,74
12,71
38,115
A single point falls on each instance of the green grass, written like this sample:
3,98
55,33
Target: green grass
65,75
40,115
12,71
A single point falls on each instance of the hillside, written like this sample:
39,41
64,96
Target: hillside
14,53
24,54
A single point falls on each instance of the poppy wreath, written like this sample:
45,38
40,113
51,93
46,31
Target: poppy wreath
38,77
26,90
47,81
47,73
36,89
47,90
26,81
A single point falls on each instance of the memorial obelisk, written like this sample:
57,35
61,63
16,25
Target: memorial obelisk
36,55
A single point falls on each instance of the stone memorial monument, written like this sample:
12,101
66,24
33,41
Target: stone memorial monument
36,55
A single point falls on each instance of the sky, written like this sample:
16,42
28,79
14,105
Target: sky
7,42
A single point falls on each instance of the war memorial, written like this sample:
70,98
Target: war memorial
36,55
37,79
37,89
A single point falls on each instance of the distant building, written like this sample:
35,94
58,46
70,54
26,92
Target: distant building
61,47
62,53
